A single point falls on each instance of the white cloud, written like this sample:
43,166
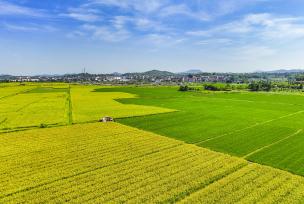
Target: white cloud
278,27
224,7
155,16
270,26
162,40
262,26
157,38
145,6
148,5
107,34
159,8
175,9
76,34
146,24
139,23
83,14
82,17
119,22
7,8
141,17
183,9
29,27
216,8
117,3
253,52
217,41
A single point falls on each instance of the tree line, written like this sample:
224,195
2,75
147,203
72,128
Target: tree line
251,86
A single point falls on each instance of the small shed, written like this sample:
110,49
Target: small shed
106,119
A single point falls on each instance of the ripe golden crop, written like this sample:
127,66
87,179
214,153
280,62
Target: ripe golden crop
113,163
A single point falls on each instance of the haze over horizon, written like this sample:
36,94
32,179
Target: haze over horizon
105,36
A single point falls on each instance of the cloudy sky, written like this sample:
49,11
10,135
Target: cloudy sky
60,36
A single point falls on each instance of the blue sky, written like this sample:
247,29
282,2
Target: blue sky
61,36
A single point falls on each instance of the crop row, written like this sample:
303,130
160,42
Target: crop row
113,163
252,184
23,143
71,158
163,176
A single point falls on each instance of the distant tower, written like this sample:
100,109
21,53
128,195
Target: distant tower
83,72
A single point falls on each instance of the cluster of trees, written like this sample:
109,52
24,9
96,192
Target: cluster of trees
275,86
260,86
287,86
299,78
217,87
186,88
224,86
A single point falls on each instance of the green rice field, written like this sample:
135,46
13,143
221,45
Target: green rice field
244,124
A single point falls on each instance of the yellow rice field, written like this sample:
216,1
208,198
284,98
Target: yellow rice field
42,105
91,106
113,163
33,109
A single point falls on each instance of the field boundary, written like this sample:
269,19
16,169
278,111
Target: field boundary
249,101
235,172
19,110
70,110
183,195
29,104
274,143
218,180
137,116
15,94
3,121
249,127
32,127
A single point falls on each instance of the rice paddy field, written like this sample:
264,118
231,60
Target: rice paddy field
24,107
89,105
33,108
266,128
114,163
165,146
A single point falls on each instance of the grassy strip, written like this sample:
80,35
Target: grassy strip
19,129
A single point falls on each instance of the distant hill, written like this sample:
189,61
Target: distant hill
192,71
5,77
157,73
116,74
282,71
